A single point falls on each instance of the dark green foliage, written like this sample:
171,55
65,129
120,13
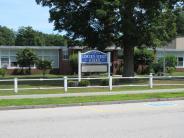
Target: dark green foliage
127,23
170,61
84,83
44,65
170,64
104,82
74,62
72,83
157,68
55,40
26,36
180,21
7,36
3,72
26,58
143,58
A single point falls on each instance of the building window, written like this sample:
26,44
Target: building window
13,61
180,61
65,54
4,62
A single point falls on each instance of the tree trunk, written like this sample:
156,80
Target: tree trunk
154,55
128,68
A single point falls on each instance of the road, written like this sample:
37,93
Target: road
132,120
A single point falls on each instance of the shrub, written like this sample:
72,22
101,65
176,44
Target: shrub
170,70
3,72
142,60
72,83
84,83
170,61
44,65
74,62
104,82
157,68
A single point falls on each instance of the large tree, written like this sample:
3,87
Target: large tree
128,23
27,36
55,40
180,21
7,36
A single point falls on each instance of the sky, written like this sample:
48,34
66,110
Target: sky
17,13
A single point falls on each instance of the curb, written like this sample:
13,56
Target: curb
88,104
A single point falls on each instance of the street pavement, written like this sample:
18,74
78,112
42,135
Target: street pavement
131,120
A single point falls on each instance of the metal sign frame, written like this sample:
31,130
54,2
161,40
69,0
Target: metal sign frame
93,57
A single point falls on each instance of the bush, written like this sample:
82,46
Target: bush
104,82
170,61
72,83
157,68
142,60
84,83
3,72
44,65
170,70
74,62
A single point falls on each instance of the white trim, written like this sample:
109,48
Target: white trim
93,51
32,47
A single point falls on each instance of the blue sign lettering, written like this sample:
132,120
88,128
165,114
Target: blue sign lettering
94,57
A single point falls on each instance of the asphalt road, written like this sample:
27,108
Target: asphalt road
133,120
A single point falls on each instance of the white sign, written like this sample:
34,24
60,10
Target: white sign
94,61
94,68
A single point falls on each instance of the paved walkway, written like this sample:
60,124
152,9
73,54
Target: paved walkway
90,94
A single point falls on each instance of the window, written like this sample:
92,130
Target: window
54,61
4,62
65,54
13,61
180,61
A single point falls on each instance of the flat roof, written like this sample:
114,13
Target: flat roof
170,50
33,47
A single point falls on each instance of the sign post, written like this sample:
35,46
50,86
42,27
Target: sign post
79,66
94,61
109,64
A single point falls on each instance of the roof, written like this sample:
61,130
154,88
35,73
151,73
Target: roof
170,50
33,47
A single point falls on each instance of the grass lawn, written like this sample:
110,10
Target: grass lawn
72,100
80,90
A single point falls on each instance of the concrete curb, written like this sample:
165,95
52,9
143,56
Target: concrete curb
88,103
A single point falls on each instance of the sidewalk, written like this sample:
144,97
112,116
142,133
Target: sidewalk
90,94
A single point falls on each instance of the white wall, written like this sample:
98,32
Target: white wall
8,56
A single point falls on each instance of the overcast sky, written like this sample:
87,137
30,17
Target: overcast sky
17,13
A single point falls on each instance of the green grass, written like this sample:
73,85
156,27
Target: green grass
73,100
82,90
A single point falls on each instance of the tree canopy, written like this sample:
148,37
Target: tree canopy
180,21
26,58
127,23
7,36
26,36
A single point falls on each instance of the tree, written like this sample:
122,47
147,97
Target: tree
74,62
127,23
44,65
26,36
26,58
170,64
7,36
180,21
143,59
55,40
